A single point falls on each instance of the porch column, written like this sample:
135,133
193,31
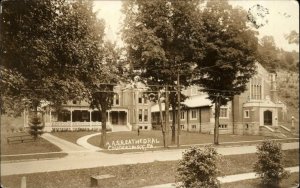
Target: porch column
90,119
50,116
127,117
71,110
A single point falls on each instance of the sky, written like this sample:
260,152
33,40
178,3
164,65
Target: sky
283,17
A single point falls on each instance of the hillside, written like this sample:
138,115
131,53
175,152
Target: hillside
288,91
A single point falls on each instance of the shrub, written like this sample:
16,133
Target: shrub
35,127
269,165
198,168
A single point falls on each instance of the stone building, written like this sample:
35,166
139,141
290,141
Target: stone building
257,111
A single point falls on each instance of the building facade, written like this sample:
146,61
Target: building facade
257,111
130,111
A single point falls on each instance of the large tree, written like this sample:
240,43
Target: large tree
100,83
229,58
161,38
46,43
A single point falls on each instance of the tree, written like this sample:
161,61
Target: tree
293,37
198,168
100,83
268,53
161,38
269,165
45,42
229,59
35,127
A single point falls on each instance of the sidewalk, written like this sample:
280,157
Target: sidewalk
227,179
88,159
66,146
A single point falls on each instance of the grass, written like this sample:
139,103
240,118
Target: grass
292,181
186,138
39,146
138,175
33,157
72,136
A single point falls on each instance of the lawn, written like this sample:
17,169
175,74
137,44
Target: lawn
186,138
39,146
72,136
292,181
138,175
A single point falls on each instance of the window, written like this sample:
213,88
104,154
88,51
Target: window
193,126
223,113
181,115
146,115
194,114
223,126
140,115
74,102
246,114
256,88
146,127
117,99
140,98
141,127
182,126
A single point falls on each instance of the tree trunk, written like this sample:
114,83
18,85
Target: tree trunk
232,113
103,130
161,120
173,123
217,115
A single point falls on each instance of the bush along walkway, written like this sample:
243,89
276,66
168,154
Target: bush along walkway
227,179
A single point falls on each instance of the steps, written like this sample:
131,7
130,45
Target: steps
279,132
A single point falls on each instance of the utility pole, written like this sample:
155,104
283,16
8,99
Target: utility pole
178,110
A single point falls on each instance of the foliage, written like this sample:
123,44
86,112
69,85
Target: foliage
49,44
198,167
293,37
36,126
161,38
230,53
269,166
100,82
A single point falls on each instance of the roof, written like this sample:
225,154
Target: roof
197,101
191,102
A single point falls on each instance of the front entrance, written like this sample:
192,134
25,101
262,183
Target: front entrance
118,118
267,117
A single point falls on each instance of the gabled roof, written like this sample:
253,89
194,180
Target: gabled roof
191,102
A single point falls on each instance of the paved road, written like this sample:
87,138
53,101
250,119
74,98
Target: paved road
91,159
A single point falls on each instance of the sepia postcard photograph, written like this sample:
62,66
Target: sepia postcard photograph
149,93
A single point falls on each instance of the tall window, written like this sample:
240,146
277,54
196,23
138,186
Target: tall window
256,88
117,99
194,114
145,115
140,115
223,112
181,115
